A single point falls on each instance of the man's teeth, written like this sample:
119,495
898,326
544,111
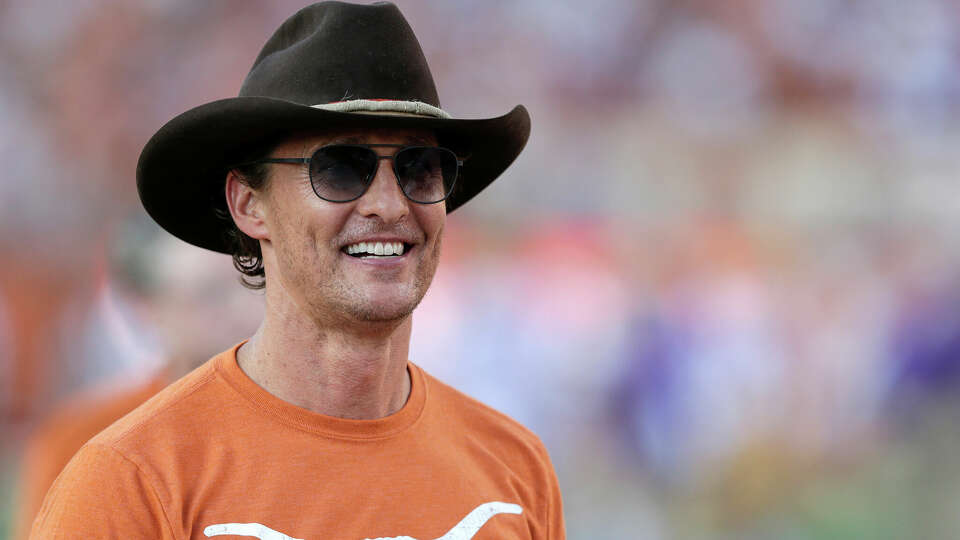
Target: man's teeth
375,248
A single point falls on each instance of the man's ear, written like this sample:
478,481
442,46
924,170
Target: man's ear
245,205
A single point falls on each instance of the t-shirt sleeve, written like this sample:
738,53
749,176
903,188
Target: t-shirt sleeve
556,529
101,494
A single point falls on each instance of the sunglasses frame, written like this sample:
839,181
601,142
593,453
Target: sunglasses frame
369,179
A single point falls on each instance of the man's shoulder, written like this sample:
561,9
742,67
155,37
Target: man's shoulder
123,467
87,413
166,410
482,421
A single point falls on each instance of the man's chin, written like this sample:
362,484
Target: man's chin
383,311
381,315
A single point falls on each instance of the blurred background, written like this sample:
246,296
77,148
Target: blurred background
722,282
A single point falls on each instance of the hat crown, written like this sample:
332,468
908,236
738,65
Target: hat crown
335,51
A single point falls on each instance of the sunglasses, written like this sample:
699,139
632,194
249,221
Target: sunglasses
343,172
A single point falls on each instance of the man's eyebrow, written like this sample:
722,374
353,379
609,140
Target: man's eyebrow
413,140
346,139
420,141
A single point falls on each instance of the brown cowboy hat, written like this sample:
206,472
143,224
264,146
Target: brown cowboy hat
330,65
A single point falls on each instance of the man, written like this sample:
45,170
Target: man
334,169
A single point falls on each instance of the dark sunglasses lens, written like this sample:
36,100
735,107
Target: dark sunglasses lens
426,174
341,173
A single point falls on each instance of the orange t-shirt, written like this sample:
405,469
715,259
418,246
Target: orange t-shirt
64,432
214,454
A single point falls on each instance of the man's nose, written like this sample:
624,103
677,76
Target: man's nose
384,198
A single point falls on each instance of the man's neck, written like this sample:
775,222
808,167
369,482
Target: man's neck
357,373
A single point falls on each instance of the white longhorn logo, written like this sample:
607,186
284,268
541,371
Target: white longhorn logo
246,529
464,530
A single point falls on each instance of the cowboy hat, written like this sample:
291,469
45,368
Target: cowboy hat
330,65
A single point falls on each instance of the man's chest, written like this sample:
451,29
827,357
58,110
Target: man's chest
493,519
355,495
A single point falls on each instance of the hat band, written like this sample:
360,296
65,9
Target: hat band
417,108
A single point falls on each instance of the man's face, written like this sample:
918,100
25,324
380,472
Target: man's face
305,253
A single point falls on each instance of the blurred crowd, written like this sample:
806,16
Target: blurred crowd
721,282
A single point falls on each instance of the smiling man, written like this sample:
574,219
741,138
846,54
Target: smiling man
329,180
345,275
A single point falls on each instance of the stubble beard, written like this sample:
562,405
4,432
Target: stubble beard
355,305
370,311
332,299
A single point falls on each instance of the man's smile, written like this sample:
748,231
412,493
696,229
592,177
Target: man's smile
376,249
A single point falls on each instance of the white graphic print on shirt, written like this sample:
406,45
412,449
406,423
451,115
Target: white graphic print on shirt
464,530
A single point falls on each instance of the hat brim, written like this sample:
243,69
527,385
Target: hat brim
181,171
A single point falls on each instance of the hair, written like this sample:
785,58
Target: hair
247,257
